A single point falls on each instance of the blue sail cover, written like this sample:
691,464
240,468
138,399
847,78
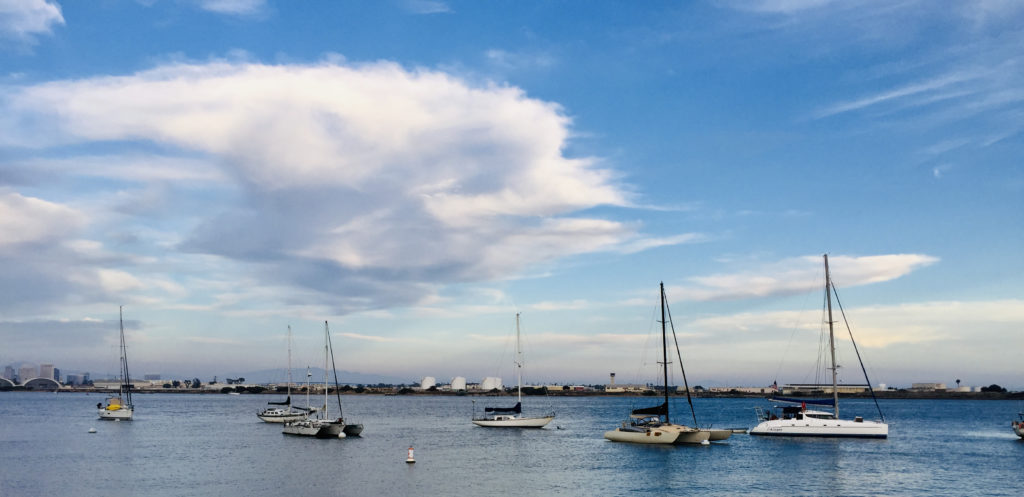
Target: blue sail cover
810,402
287,402
655,410
518,408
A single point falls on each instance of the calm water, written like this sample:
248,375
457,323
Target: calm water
214,445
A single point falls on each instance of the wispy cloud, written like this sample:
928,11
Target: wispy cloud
799,275
24,19
424,7
234,7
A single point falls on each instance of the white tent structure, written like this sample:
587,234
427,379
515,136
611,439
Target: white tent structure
427,382
490,383
458,383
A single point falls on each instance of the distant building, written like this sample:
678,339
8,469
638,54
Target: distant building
427,382
8,373
46,371
56,374
491,383
26,373
73,379
458,383
927,386
151,376
816,388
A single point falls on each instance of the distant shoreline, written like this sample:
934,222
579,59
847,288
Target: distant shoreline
888,394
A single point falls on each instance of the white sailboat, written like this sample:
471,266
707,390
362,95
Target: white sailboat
1018,426
323,426
795,420
512,417
645,426
287,412
119,407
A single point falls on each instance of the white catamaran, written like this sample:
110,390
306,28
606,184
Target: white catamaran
323,426
795,420
119,407
645,426
512,417
287,412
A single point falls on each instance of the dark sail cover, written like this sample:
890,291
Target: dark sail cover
810,402
506,410
287,402
655,410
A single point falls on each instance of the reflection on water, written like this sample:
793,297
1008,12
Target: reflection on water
214,445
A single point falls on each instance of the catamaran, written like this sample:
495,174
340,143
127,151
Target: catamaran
119,407
645,426
792,418
512,417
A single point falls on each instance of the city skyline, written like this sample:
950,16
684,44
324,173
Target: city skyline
416,172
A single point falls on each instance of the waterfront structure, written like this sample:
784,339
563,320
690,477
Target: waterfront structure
427,382
491,383
46,371
458,383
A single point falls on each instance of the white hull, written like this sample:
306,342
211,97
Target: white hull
122,414
315,428
281,416
1018,428
514,422
814,427
662,435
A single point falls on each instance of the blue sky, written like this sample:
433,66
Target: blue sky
416,172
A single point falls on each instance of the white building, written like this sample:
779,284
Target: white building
491,383
26,373
458,383
46,371
427,382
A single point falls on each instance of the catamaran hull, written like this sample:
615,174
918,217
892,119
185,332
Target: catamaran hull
315,429
829,428
122,414
717,435
514,423
662,435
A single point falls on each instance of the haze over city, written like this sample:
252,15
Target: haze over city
416,172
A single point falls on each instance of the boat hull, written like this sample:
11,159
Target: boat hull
660,435
827,428
121,414
717,435
315,428
514,422
1018,428
352,430
278,416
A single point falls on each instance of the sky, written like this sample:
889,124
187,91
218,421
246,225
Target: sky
416,172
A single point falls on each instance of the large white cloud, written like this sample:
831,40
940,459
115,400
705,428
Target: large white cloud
22,19
357,180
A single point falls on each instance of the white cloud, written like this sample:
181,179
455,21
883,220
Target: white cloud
32,220
368,183
427,7
22,19
234,7
800,274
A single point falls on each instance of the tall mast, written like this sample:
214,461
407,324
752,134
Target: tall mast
831,340
126,381
519,363
326,335
289,366
664,349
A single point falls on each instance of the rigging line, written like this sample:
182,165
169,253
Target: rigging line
337,390
683,370
855,349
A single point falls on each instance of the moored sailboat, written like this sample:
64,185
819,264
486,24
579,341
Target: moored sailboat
286,413
645,425
1018,425
512,417
323,426
789,420
120,407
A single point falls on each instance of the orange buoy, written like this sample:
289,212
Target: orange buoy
410,459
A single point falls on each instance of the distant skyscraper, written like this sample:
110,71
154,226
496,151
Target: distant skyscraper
8,372
46,371
56,374
26,373
74,379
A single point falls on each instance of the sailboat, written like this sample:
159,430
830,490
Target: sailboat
323,426
286,413
795,420
645,426
512,417
119,407
1018,426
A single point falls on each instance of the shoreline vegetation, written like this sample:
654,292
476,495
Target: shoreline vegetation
404,390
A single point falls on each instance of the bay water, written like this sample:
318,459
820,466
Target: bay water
184,445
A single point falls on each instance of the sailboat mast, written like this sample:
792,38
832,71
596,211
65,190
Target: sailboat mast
126,381
831,340
289,366
519,364
326,332
664,349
